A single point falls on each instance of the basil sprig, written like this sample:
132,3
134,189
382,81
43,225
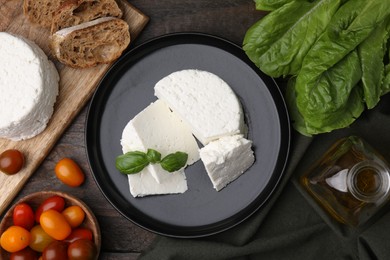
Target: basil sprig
134,161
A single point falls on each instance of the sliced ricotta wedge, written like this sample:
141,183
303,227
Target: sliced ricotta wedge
143,183
28,88
158,128
204,101
226,159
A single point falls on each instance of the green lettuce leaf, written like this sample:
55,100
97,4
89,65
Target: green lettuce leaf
326,89
270,5
371,53
386,81
278,43
340,95
298,122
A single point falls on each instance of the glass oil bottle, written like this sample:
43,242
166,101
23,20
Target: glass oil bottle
351,181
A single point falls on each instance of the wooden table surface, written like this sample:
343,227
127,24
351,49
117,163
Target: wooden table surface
121,239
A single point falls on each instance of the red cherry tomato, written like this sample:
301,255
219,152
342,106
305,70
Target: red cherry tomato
74,215
69,172
25,254
55,202
23,216
82,249
11,161
79,233
55,224
57,250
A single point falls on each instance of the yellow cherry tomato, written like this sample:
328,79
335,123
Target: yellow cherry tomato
39,239
55,224
15,238
69,172
74,215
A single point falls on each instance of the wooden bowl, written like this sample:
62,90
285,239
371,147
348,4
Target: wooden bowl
35,199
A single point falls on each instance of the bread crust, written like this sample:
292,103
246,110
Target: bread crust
85,46
74,12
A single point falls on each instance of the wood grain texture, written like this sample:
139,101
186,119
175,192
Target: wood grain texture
75,89
122,239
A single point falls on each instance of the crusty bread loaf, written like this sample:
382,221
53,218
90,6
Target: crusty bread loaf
74,12
88,44
41,11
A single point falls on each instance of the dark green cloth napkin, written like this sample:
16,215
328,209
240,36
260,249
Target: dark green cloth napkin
291,225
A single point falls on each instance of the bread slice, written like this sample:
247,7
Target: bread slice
85,45
74,12
41,11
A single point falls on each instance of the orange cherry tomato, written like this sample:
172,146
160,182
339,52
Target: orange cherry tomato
69,172
15,238
55,224
11,161
74,215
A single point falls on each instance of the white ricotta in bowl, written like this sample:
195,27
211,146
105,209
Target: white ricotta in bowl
28,87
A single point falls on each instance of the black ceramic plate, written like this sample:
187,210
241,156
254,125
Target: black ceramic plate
127,88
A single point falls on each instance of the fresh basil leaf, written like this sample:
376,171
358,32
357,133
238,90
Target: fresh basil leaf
131,162
174,161
153,156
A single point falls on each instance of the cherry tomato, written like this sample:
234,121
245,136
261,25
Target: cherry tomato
25,254
82,249
23,216
74,215
69,172
57,250
15,238
55,202
79,233
39,238
11,161
55,224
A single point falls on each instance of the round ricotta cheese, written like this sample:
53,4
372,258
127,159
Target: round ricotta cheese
204,101
28,86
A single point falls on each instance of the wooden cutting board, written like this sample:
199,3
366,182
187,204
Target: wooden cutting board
76,88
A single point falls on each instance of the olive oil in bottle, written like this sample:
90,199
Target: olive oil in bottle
351,181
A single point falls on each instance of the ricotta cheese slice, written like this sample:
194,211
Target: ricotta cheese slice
204,101
226,159
143,183
158,128
28,87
